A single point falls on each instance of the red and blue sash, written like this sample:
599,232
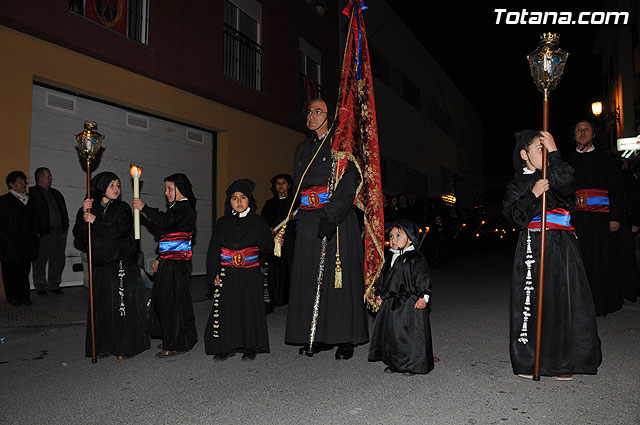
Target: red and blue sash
242,258
313,197
557,219
593,200
176,246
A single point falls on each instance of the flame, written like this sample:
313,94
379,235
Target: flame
135,171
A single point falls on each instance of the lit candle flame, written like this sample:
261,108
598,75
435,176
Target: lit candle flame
135,171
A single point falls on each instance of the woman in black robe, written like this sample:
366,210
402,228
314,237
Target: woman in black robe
401,336
120,314
569,340
172,316
238,322
275,210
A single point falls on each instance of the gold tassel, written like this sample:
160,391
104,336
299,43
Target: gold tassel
338,277
277,248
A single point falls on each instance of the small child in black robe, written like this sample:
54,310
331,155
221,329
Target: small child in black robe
569,341
401,335
172,314
238,322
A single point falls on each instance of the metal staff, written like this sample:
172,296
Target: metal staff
320,278
546,63
88,144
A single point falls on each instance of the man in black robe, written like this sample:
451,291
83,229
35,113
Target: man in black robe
275,211
597,216
342,318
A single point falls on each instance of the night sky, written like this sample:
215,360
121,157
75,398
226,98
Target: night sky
488,63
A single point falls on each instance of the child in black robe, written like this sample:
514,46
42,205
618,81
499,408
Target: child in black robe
120,313
172,315
238,322
569,340
401,335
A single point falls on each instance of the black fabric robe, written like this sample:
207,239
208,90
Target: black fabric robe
18,244
275,210
342,315
401,335
597,170
237,316
112,244
626,239
173,319
569,340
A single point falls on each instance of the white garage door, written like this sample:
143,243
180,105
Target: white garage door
159,146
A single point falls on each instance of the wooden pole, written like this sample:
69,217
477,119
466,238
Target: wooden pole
90,265
543,234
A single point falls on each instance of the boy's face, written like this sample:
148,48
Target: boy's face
112,192
533,155
239,202
171,192
398,239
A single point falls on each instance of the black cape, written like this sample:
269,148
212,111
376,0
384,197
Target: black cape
401,335
172,316
113,247
342,315
275,210
597,170
237,322
569,340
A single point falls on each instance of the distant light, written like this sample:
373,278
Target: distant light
596,108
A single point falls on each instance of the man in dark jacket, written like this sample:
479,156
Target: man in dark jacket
18,239
53,222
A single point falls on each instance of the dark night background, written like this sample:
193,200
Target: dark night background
487,61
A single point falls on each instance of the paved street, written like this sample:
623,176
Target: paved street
46,379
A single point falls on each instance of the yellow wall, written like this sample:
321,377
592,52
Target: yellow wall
248,146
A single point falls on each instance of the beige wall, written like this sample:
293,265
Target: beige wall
248,146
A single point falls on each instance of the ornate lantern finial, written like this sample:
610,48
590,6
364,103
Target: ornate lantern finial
89,141
547,63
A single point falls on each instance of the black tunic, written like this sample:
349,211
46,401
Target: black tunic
275,210
173,318
18,244
401,336
119,332
597,170
237,322
569,340
342,315
626,239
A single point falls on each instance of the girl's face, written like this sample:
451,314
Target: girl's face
398,239
112,192
171,192
533,155
239,202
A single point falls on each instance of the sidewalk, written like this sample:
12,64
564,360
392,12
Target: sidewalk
68,309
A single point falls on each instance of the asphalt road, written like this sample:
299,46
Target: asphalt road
47,380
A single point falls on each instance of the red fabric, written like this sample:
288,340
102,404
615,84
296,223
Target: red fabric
110,13
239,257
177,236
356,139
583,194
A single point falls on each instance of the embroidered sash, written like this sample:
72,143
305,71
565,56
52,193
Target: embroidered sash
557,219
242,259
593,200
176,246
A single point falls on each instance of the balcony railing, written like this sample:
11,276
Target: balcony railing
242,58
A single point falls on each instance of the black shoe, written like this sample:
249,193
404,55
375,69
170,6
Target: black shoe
317,347
344,352
57,291
27,301
42,292
15,302
222,357
249,356
389,370
408,373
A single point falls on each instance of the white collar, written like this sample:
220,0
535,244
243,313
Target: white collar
398,252
588,150
526,171
22,197
243,214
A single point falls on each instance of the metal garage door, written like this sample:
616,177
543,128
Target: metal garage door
159,146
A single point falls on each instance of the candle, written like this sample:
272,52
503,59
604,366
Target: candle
135,173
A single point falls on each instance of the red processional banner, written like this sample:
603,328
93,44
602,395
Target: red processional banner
110,13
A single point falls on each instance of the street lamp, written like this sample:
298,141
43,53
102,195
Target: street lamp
546,64
596,109
89,142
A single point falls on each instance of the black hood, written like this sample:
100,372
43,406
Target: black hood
410,228
99,184
245,186
184,186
